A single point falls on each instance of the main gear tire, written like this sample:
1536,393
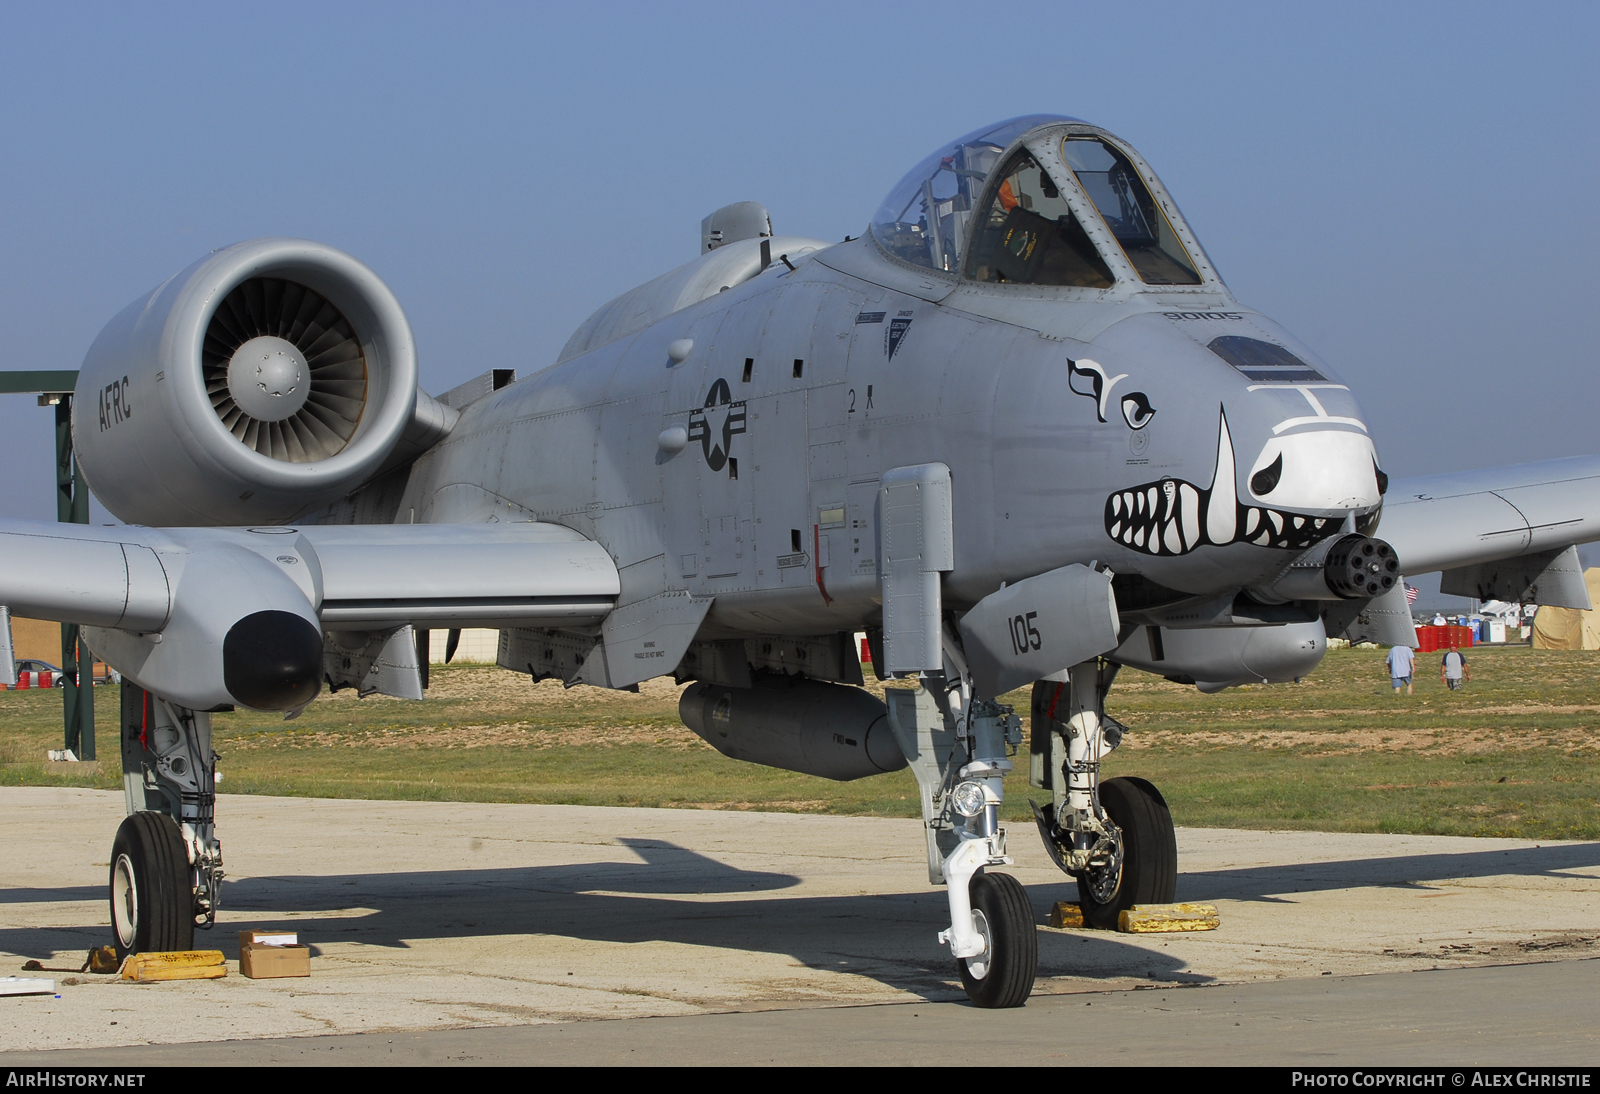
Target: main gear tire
1146,871
1002,976
152,894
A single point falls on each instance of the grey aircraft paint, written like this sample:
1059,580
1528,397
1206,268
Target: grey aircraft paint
1018,431
722,430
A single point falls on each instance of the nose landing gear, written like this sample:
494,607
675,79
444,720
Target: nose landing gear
1002,976
957,746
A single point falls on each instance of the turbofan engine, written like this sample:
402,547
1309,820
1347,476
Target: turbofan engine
268,378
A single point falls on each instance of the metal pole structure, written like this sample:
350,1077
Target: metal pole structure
54,388
77,662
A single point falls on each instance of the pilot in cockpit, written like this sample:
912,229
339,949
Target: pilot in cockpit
1025,230
1030,235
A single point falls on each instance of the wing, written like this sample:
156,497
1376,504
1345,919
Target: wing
194,613
454,575
1507,533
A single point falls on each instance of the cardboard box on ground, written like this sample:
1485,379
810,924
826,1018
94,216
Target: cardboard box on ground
264,955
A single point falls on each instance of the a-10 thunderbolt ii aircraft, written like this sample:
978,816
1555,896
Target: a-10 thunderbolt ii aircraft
1019,432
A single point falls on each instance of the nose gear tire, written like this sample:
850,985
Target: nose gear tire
1002,976
152,895
1149,861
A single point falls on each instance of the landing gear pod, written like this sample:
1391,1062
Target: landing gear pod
1213,658
831,730
268,378
1039,626
240,632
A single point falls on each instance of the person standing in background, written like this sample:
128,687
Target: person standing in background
1401,666
1453,669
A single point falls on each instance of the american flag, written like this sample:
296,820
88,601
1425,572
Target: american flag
1411,596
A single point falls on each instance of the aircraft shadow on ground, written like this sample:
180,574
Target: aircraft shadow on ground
886,937
1266,883
57,895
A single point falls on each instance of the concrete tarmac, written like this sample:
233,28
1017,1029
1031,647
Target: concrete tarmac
1500,1016
433,922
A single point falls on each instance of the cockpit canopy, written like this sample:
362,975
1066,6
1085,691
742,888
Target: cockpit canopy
1070,207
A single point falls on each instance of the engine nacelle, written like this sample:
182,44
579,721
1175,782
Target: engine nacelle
831,730
268,378
1213,658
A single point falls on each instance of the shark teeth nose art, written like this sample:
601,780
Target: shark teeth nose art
1174,517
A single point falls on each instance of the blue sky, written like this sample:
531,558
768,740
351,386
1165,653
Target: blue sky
1408,187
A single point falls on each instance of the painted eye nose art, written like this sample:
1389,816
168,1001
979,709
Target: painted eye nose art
1263,482
1091,380
1136,410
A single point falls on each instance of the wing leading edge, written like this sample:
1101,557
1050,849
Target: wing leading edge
355,577
1506,532
184,611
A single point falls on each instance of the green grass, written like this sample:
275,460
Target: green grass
1514,754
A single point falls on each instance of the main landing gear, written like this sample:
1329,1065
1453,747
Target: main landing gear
1115,837
166,862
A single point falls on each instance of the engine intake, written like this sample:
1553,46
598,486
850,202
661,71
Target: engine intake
268,378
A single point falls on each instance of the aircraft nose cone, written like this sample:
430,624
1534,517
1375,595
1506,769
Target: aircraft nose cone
272,660
1321,469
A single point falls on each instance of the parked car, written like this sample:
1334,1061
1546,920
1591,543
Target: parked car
28,664
103,673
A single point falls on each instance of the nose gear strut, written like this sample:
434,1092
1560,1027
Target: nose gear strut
959,747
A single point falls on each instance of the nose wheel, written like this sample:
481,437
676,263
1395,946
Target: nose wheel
1144,869
1001,976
